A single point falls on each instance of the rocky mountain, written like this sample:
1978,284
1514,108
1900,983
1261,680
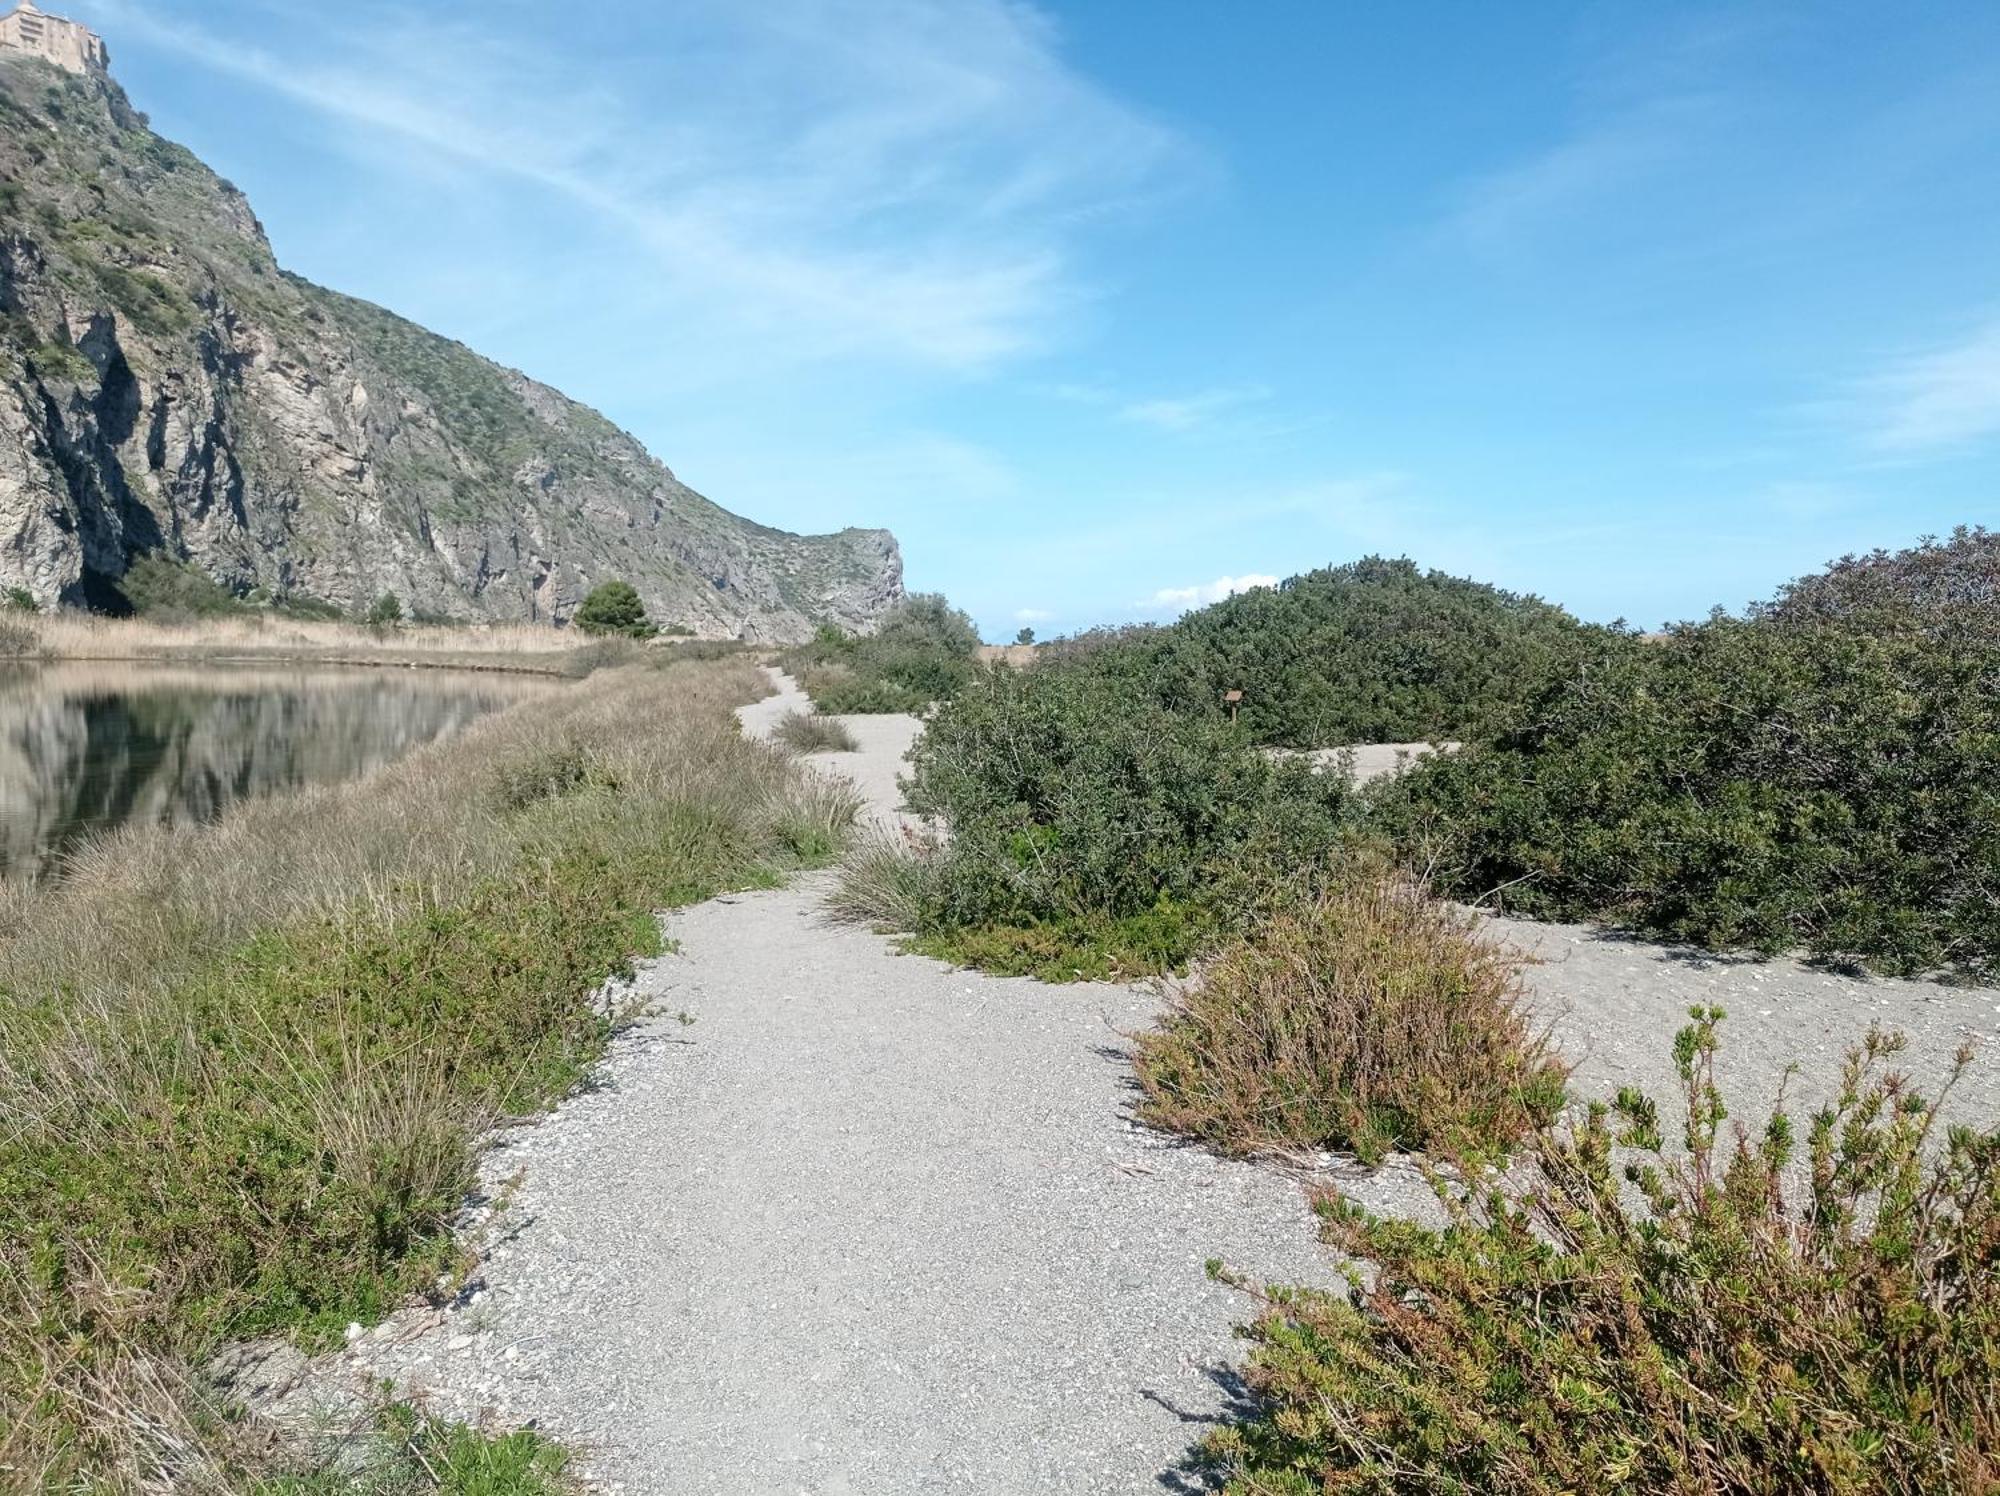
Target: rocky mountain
165,385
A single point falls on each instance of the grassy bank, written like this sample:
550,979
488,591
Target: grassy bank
244,1067
271,638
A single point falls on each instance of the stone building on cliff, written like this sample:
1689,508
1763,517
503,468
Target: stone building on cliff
68,44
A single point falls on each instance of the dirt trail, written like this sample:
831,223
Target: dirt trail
868,1224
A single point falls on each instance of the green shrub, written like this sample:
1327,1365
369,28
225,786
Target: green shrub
1373,652
804,732
1935,586
311,609
1088,825
386,610
1370,1018
163,588
921,652
1742,784
1680,1324
614,608
61,360
926,621
838,691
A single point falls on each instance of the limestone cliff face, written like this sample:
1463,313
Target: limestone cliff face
164,385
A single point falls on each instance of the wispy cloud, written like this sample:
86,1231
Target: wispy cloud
1187,412
1571,175
1651,106
1195,411
1174,600
1033,615
877,179
1938,401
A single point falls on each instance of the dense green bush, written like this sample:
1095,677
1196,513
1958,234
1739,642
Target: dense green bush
1935,586
161,587
1373,652
1678,1324
1742,783
1368,1018
386,610
921,652
614,608
1091,828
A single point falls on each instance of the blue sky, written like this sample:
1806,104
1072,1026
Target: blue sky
1108,307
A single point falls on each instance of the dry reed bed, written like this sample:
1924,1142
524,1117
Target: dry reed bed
266,637
243,1067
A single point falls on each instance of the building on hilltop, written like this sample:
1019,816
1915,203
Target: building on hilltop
68,44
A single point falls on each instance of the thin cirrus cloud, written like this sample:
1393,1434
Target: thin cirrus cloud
899,180
1170,600
1189,412
1933,403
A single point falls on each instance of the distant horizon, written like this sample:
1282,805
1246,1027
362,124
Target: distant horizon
1643,314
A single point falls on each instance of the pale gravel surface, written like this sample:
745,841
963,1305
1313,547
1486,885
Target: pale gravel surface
870,1224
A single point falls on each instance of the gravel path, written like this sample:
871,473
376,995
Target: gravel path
868,1224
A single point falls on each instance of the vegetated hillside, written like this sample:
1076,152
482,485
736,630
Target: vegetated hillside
1824,773
1377,651
164,385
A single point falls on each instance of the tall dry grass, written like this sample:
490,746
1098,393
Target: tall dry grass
243,1067
270,636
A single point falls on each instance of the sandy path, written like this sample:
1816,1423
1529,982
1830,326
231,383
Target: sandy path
880,744
871,1225
867,1224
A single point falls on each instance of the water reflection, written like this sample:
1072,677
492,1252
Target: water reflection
87,746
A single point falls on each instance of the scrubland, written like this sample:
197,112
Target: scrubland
1637,1304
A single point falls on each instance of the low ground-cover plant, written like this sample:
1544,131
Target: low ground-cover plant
412,1453
1092,831
243,1066
921,652
1634,1320
1742,783
813,732
1367,1018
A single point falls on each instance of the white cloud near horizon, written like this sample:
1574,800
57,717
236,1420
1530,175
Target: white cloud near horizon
1201,595
1033,615
1934,402
898,179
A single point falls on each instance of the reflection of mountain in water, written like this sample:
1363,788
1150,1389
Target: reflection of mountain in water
87,748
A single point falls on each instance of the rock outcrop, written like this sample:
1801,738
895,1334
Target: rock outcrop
164,385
